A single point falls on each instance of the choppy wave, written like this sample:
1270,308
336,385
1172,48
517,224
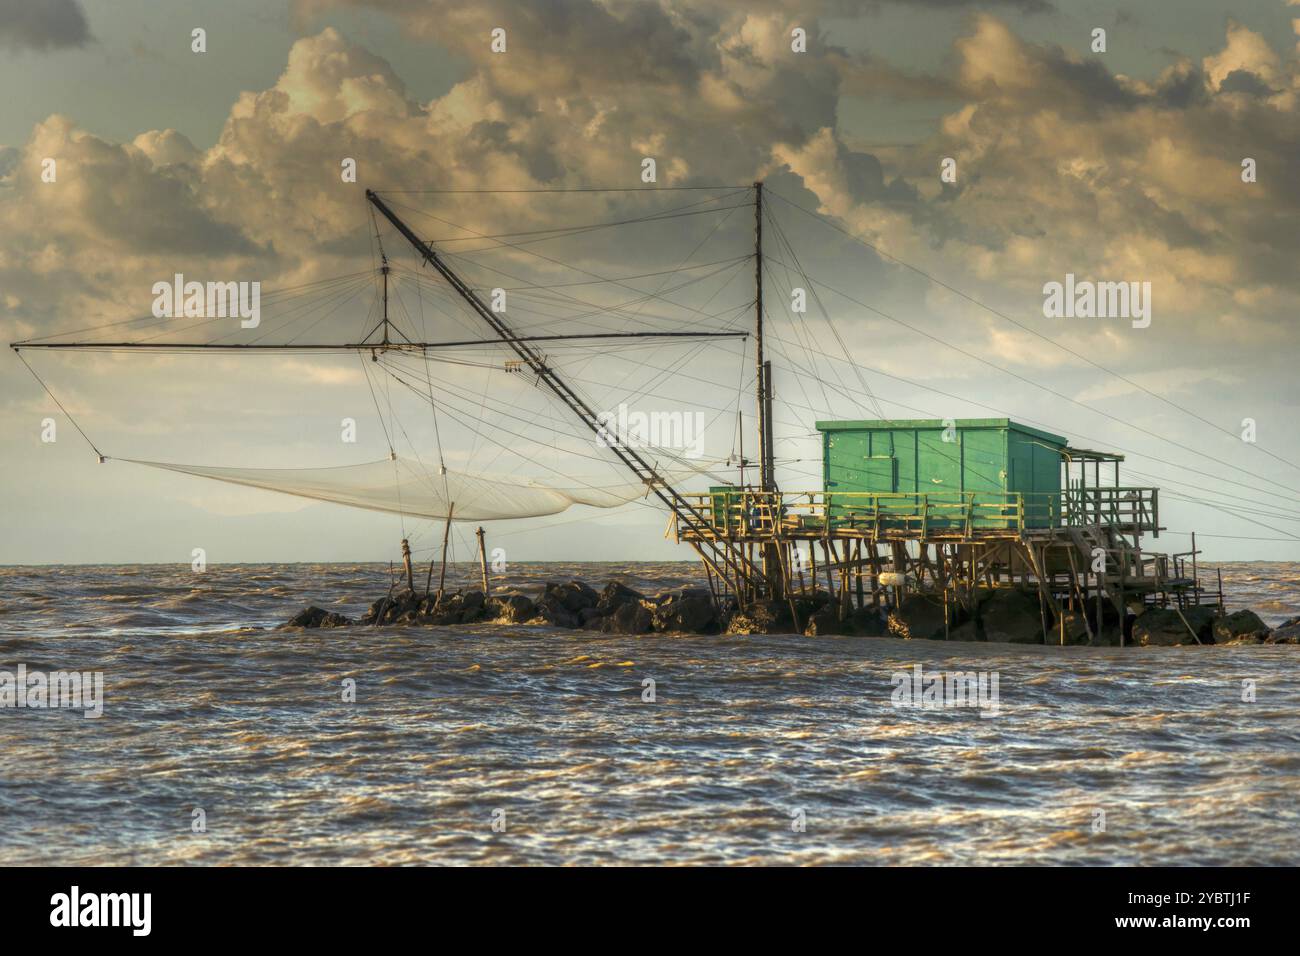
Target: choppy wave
209,707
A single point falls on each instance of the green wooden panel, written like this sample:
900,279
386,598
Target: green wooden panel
989,460
938,462
882,474
720,496
984,459
849,464
1035,473
939,476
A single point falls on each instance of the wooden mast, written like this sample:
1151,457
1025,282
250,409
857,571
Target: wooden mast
773,569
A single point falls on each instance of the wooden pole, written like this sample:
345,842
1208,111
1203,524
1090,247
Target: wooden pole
406,563
482,560
446,535
1196,576
857,574
1080,597
1100,616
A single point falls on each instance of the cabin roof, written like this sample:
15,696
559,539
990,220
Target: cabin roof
1089,454
959,423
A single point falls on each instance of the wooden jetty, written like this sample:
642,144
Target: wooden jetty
947,508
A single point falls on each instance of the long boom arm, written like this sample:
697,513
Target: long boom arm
353,346
727,561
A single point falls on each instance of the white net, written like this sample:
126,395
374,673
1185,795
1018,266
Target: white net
400,487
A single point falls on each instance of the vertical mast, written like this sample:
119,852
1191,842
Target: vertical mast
384,270
761,383
774,583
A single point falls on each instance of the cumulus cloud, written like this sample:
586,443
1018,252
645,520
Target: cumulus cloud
43,25
1063,165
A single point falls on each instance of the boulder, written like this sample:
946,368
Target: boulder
867,622
1012,616
826,620
308,617
401,606
969,631
632,617
1076,629
691,611
917,617
553,612
1239,627
317,617
590,618
1165,627
1287,633
510,608
573,597
1108,637
615,595
762,617
473,607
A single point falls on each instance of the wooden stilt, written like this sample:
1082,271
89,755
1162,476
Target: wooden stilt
874,555
1081,598
857,573
482,560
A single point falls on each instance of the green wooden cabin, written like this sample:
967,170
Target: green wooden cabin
966,473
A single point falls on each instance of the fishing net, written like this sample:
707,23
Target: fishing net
401,487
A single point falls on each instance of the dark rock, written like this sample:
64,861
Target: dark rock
1239,627
867,622
1012,616
692,611
510,608
1288,633
1076,629
573,597
826,620
917,617
590,617
307,617
552,610
1108,637
762,617
1165,627
317,617
615,595
632,617
969,631
463,608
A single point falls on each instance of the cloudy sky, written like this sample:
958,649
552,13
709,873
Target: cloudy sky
1122,165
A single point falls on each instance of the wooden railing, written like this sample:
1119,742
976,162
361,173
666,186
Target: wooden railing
743,513
1125,507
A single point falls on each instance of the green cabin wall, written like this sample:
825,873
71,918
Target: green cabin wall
988,457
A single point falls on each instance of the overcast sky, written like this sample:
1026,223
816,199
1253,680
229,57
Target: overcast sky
1122,165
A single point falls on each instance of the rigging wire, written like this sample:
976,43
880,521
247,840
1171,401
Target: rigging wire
1020,325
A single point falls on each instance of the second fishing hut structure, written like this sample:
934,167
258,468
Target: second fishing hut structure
947,509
